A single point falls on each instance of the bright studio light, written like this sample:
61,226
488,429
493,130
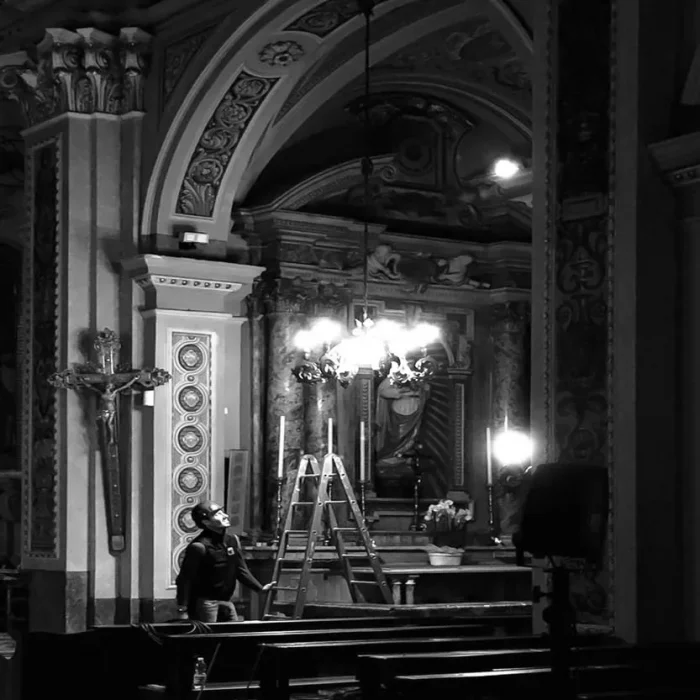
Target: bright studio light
512,447
505,168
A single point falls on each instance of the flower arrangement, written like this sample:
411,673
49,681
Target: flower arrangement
444,517
447,523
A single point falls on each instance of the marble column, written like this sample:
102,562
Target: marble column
507,388
509,341
82,164
258,400
286,307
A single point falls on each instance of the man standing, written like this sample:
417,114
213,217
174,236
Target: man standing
213,563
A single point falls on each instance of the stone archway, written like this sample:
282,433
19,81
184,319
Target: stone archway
226,120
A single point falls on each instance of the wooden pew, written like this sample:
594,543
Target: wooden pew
604,678
237,651
133,657
285,661
377,670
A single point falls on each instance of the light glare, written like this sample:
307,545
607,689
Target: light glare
505,169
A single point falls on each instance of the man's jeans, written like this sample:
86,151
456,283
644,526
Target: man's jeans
215,611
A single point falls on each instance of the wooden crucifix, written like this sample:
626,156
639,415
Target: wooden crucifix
108,379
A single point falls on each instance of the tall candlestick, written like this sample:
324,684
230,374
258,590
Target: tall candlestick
280,453
489,468
362,450
330,436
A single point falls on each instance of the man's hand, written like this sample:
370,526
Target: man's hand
267,586
182,615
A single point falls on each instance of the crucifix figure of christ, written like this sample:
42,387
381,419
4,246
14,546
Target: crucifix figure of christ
108,380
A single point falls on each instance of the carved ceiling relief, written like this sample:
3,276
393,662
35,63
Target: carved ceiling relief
326,17
86,71
475,51
421,182
382,25
177,57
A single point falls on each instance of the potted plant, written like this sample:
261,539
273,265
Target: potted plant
447,524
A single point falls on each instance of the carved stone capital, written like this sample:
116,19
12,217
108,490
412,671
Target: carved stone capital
134,58
509,317
87,71
297,296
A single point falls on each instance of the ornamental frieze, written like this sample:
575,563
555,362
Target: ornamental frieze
87,72
218,143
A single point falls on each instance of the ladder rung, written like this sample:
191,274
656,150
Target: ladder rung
365,583
286,588
358,555
295,532
344,529
336,503
309,476
304,503
315,570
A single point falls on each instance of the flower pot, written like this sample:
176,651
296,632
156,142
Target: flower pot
445,558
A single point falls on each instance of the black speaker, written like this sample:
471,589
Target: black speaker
565,512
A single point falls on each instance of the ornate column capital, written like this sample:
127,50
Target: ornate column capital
86,71
134,59
297,296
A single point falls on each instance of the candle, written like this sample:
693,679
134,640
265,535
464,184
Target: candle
489,471
280,454
330,436
505,424
362,450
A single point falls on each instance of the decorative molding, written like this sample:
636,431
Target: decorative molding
191,438
87,72
40,354
326,17
146,281
218,143
177,57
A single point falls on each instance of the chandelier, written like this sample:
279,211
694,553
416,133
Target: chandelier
389,348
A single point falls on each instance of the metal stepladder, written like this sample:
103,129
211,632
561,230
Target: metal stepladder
323,506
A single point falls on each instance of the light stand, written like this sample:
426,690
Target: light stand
494,539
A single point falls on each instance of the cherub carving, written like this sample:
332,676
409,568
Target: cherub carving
453,271
382,262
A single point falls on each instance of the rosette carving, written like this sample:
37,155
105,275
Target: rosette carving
218,143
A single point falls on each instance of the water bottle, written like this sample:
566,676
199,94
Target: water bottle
200,674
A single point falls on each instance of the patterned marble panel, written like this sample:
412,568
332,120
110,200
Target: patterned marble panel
191,460
39,354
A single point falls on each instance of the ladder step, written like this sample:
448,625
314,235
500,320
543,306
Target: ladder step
304,503
295,532
344,529
285,588
365,583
